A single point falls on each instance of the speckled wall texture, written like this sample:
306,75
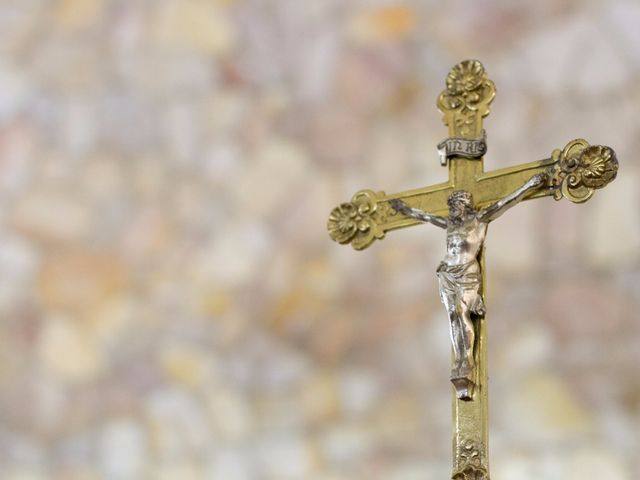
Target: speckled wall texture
171,306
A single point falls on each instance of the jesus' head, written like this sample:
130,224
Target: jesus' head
460,205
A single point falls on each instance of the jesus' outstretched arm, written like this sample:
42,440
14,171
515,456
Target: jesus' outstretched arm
496,209
400,206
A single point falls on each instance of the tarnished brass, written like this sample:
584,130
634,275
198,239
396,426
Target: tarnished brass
574,172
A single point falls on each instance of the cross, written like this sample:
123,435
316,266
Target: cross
464,205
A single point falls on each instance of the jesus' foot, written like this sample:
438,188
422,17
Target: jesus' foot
464,388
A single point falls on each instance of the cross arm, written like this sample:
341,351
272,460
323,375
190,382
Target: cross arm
575,173
369,215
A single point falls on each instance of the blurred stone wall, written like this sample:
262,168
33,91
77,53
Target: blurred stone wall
171,306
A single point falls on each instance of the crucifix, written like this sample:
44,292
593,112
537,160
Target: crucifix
464,206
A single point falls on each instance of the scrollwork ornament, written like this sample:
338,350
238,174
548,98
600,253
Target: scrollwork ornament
359,222
580,169
466,98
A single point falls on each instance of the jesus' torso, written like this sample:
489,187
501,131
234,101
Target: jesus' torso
464,241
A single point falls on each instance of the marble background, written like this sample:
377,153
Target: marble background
171,306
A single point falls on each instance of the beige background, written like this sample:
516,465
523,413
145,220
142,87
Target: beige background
171,306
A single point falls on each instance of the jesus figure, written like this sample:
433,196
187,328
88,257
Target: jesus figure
459,272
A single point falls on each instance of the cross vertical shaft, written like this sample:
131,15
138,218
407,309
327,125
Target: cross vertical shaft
464,104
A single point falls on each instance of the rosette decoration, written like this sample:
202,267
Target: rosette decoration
580,169
359,222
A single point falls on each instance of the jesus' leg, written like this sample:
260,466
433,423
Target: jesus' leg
463,336
462,375
456,340
468,335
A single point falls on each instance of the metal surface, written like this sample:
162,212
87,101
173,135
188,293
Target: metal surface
574,172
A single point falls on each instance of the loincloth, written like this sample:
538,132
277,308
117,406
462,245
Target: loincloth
461,284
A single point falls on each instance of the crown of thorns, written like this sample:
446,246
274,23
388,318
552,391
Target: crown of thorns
460,195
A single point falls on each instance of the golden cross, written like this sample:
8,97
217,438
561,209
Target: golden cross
574,172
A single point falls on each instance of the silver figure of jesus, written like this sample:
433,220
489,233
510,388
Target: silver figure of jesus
459,272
